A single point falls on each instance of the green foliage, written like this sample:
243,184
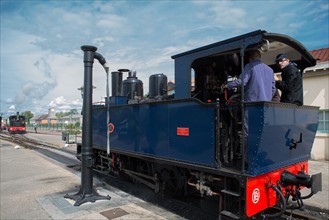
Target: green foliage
77,124
73,112
60,114
28,115
72,128
63,114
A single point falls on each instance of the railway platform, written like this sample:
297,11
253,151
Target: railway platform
33,187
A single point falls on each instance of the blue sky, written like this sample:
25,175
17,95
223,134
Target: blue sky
41,59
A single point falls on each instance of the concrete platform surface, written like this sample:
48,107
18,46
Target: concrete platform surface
33,187
320,200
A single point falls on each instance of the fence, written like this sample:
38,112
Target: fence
52,127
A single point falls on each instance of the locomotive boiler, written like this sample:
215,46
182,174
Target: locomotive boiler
192,140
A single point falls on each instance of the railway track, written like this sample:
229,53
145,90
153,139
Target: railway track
61,155
191,208
307,214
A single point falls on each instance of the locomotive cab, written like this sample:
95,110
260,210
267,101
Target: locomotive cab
210,66
201,72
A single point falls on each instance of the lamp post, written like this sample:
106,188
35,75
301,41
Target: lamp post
81,90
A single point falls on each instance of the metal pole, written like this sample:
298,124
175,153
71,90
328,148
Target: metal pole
87,192
108,148
243,142
87,153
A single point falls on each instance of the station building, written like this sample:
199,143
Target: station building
316,93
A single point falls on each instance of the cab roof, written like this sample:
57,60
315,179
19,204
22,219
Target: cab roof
275,43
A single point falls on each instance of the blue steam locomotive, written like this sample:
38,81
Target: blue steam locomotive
192,140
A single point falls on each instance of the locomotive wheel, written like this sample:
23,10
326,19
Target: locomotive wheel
157,183
170,182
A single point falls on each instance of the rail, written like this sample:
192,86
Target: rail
61,155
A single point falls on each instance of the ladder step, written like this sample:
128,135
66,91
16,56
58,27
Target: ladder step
230,192
230,214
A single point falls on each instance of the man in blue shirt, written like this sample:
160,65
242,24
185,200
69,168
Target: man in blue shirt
258,79
259,84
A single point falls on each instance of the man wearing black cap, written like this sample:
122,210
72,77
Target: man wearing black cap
291,85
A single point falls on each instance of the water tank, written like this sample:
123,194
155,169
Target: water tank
132,87
157,85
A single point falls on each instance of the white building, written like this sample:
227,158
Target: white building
70,119
316,93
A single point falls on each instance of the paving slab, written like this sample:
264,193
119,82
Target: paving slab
319,201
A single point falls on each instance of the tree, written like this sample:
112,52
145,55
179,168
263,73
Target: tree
73,112
72,129
28,115
62,114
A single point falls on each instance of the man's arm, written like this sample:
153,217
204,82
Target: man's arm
238,82
289,81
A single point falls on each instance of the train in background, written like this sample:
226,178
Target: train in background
191,142
16,124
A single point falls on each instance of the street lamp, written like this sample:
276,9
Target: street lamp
81,90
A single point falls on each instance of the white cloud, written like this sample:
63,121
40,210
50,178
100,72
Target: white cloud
108,21
9,101
102,41
76,103
75,19
58,101
27,88
62,104
20,98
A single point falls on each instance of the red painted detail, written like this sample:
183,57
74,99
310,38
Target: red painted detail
259,196
183,131
19,128
111,127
